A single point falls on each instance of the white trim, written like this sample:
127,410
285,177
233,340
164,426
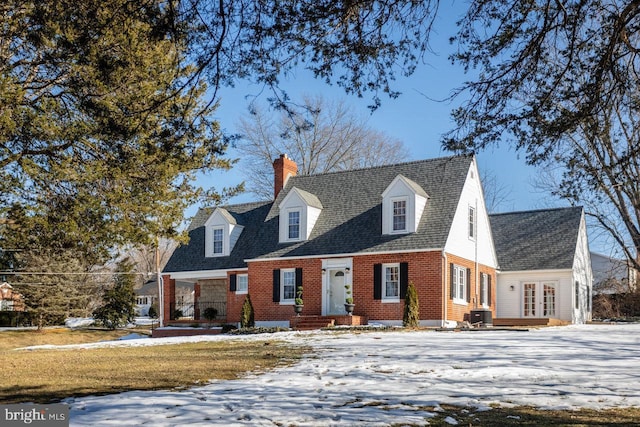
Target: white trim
344,255
201,274
564,270
245,291
383,294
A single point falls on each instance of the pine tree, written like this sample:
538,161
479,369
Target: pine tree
247,319
118,302
411,317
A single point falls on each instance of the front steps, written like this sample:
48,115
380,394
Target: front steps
308,323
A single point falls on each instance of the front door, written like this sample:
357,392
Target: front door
539,299
335,292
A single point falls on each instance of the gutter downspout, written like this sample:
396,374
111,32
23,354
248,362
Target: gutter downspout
444,289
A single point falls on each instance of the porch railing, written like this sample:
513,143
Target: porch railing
196,311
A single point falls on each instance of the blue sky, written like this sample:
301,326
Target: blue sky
416,118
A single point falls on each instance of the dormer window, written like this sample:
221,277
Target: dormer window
299,211
294,225
403,203
218,241
221,233
400,215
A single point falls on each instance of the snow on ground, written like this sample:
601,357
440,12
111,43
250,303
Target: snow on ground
384,378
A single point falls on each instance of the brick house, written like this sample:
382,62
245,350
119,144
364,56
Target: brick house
375,229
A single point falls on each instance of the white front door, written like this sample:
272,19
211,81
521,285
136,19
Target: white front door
539,299
335,292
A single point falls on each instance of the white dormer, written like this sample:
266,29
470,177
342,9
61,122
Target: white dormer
221,233
403,203
299,211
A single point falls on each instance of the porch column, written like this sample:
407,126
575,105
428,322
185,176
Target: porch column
169,297
196,301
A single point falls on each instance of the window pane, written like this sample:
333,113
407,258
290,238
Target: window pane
400,215
217,241
392,282
243,283
288,285
472,222
294,225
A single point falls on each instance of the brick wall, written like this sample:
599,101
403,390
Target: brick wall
425,271
459,312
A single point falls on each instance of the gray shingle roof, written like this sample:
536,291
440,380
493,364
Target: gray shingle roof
536,240
350,221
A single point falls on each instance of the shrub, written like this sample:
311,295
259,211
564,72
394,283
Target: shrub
247,318
153,312
411,317
210,313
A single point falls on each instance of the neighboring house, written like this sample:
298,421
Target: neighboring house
544,267
147,295
375,229
9,299
611,275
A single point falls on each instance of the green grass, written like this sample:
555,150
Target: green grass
51,375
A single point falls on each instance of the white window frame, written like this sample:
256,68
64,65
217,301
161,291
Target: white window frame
460,288
289,213
395,200
213,241
385,269
471,223
484,290
242,283
287,272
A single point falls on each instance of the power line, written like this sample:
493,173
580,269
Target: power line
57,273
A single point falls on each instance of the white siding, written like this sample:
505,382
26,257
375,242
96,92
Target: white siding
458,241
510,302
582,275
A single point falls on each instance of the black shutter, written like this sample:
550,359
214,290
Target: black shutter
489,290
404,278
377,281
233,282
276,285
452,286
298,281
468,285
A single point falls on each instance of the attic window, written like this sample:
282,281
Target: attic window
294,225
403,203
400,215
218,241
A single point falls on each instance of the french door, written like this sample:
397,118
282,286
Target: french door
539,299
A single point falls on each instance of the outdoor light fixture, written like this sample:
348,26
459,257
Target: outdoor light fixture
324,270
511,287
347,269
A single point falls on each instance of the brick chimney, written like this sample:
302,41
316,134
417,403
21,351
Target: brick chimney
283,168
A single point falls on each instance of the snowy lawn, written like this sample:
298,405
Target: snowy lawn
385,378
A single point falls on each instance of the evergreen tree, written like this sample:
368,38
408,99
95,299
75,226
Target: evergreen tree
411,317
247,318
119,301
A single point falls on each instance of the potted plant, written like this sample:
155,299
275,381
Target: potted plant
348,301
298,303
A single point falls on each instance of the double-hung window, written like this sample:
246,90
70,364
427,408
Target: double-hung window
391,284
288,285
472,222
242,285
218,240
294,225
460,284
400,215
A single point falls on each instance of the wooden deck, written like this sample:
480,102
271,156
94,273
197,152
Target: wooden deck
544,321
